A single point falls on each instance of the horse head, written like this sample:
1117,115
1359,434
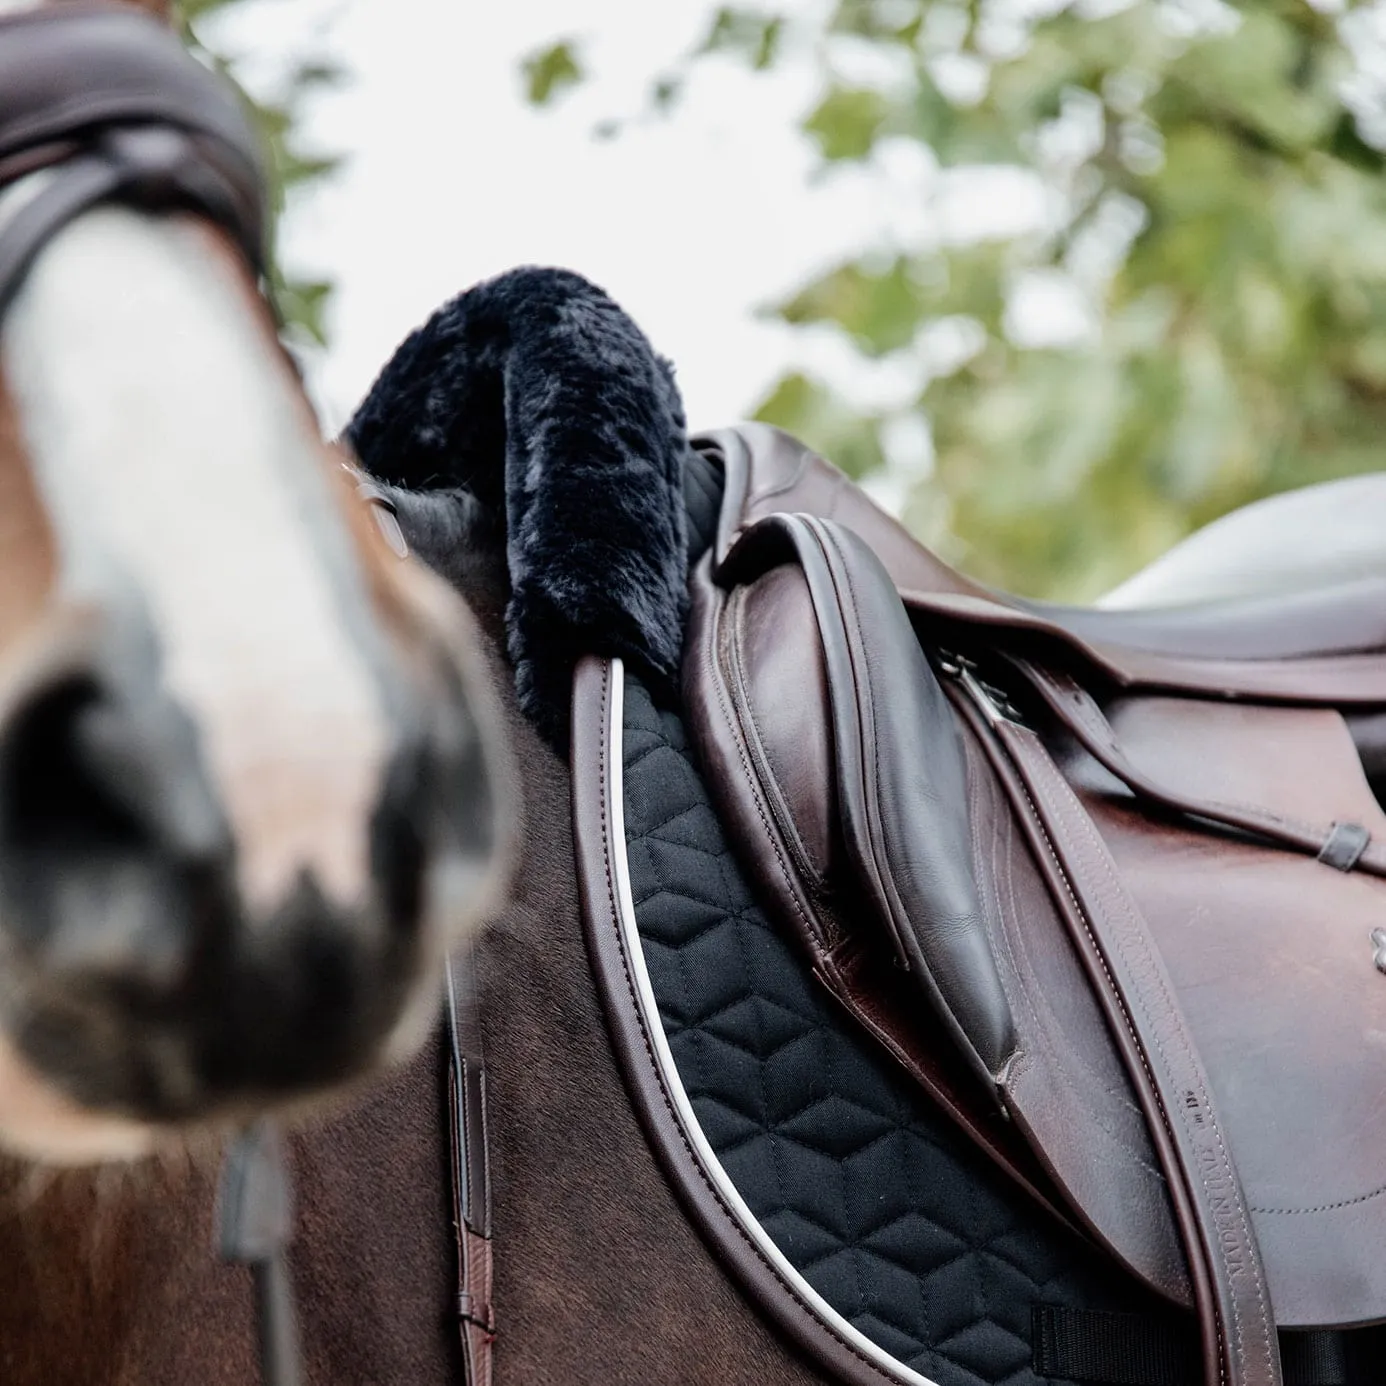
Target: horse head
245,789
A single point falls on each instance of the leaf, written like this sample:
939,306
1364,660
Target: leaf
1348,145
813,412
303,304
314,74
1242,347
551,71
753,35
881,308
847,122
898,21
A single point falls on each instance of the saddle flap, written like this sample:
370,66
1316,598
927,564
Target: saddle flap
1274,957
1177,867
1299,763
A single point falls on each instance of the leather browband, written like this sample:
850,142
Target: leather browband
112,105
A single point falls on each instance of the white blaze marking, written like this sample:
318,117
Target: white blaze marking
172,450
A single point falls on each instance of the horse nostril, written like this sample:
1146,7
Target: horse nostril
57,793
100,793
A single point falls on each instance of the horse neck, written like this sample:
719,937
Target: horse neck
84,1256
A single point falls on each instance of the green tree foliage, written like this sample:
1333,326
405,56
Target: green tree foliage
551,70
293,166
1215,216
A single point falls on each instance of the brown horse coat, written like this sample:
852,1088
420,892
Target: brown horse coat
110,1280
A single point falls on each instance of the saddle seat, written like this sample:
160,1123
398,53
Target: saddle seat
769,472
1108,884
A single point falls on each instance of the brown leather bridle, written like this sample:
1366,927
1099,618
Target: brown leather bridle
101,104
106,105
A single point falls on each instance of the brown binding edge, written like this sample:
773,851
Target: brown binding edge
655,1091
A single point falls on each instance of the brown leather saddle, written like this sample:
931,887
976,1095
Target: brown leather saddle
1107,884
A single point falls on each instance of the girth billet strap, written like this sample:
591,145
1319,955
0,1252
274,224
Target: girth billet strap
100,103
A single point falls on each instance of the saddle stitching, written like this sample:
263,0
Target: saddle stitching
780,487
840,573
731,723
1322,1207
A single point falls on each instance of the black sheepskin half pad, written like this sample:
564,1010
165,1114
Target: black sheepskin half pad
536,392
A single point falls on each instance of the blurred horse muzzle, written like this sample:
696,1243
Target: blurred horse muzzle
140,975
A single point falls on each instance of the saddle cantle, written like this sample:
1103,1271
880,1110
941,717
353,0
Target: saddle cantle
1105,883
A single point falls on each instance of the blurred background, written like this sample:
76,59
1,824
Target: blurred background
1059,282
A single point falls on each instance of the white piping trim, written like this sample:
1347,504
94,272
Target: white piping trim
683,1108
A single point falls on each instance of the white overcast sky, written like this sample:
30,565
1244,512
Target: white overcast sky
689,223
450,178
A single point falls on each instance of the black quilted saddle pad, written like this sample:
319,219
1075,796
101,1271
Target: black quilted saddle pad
870,1193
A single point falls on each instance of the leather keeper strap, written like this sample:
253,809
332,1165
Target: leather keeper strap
1345,846
1132,985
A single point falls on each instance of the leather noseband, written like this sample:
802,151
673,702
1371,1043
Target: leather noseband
107,105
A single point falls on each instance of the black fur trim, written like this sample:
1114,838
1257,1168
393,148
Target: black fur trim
536,391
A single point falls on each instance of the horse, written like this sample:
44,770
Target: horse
545,1240
248,791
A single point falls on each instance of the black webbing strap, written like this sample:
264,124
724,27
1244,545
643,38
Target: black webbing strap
254,1223
1107,1349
